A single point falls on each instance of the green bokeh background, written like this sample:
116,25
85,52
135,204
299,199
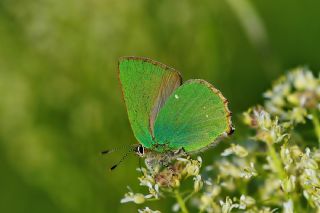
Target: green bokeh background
61,103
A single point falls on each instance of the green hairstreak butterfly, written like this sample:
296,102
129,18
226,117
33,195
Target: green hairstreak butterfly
167,115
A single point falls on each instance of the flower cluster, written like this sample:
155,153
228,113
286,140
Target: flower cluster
267,129
148,210
294,96
166,180
275,169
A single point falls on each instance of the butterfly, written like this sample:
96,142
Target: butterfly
167,115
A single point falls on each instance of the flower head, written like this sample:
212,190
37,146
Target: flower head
246,201
248,171
268,128
198,183
235,149
294,95
148,210
288,207
228,205
137,198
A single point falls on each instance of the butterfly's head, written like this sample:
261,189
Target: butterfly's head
136,148
140,150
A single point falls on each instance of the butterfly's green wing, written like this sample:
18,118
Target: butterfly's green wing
193,117
146,85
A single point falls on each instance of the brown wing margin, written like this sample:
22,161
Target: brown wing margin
230,128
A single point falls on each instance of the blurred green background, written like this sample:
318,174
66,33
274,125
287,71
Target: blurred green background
61,103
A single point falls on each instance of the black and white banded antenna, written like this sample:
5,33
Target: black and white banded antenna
108,151
131,150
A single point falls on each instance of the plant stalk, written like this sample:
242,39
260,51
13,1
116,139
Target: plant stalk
276,160
180,201
316,124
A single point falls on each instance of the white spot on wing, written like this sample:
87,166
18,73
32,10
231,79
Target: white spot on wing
176,96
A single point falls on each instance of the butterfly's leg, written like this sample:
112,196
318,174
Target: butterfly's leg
183,151
140,167
180,153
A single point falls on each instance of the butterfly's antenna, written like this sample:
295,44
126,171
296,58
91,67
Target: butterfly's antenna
108,151
123,158
140,166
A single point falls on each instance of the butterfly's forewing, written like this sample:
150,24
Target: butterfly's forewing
193,117
146,85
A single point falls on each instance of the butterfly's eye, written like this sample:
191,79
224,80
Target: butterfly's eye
140,150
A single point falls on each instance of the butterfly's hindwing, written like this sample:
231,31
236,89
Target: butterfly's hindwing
194,116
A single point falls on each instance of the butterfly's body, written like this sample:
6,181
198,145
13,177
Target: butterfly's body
154,159
169,118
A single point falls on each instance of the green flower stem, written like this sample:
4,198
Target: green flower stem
282,173
180,201
189,196
316,124
276,160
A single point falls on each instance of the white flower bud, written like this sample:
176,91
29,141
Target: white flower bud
285,155
228,205
198,183
138,198
193,168
236,149
246,201
288,207
176,207
316,155
293,99
289,184
248,172
148,210
295,152
311,164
